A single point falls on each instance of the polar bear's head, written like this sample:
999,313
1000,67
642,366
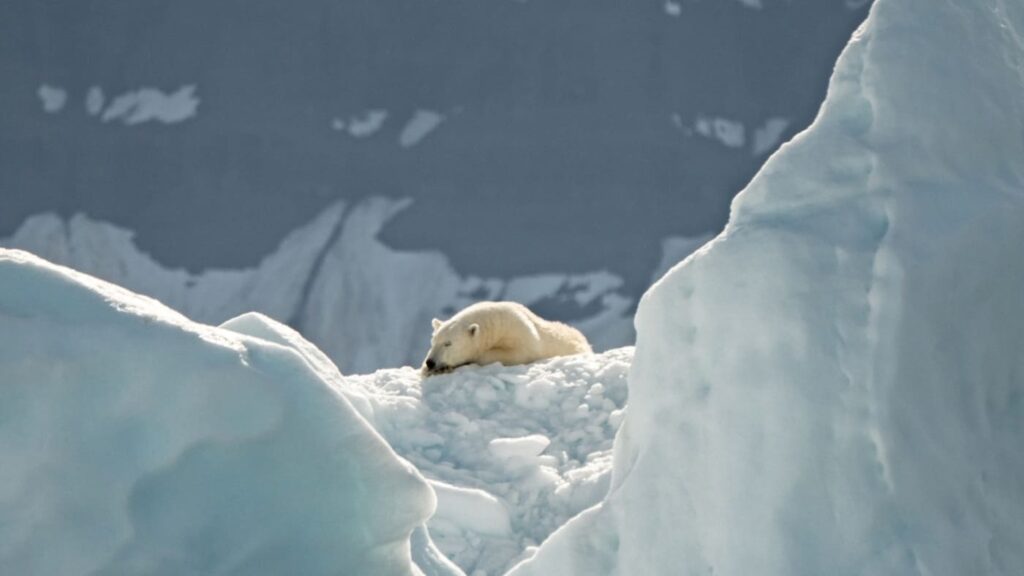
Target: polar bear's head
454,343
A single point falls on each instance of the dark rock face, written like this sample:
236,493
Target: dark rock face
570,138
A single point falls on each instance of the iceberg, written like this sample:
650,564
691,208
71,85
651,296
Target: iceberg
835,384
135,441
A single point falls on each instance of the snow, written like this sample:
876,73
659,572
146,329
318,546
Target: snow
52,98
150,104
135,441
364,304
730,133
470,509
767,136
430,560
422,123
583,289
94,100
733,133
522,449
834,385
366,124
509,451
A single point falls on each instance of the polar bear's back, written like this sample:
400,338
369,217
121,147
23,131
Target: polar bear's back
517,328
558,339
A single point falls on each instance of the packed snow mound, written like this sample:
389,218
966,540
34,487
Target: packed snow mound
835,385
512,452
365,304
134,441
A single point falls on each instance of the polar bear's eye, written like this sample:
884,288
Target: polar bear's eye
447,344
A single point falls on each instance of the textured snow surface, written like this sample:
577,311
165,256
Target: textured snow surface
364,304
512,452
835,384
134,441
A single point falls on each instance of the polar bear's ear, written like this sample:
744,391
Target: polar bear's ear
473,329
435,323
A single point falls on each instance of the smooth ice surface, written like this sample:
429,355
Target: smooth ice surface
134,441
835,384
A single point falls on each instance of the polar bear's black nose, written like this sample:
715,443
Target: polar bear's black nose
430,364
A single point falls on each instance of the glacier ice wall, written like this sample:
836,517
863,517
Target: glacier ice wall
835,385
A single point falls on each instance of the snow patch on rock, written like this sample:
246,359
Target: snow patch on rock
151,105
52,98
422,123
363,125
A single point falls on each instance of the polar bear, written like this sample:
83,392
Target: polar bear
505,332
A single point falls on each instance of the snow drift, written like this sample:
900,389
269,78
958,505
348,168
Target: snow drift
134,441
835,385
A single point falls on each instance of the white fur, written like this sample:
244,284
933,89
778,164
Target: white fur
505,332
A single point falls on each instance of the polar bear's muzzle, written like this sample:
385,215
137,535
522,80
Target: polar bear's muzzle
432,368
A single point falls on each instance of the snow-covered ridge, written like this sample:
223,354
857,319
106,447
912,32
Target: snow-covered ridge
365,304
835,384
